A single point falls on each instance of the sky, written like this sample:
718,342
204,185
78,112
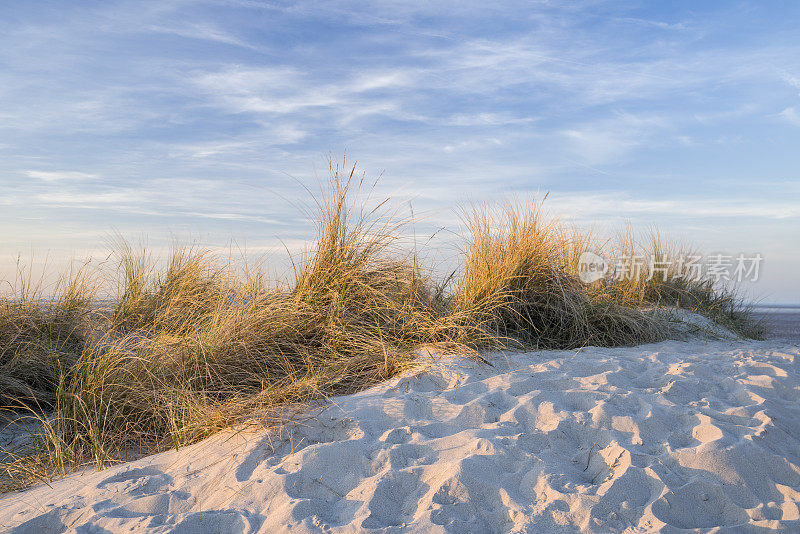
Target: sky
210,120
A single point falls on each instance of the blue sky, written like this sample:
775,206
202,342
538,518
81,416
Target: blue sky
198,119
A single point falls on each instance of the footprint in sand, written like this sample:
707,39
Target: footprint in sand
395,500
138,481
698,504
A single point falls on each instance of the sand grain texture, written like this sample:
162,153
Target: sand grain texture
661,437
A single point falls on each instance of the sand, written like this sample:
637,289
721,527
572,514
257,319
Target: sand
661,437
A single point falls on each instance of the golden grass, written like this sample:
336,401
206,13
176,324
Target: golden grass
667,278
189,348
520,281
40,337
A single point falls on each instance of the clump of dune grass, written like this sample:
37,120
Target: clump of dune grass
40,337
666,274
352,289
191,350
188,292
519,282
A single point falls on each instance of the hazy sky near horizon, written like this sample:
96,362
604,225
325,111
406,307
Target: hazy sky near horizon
201,119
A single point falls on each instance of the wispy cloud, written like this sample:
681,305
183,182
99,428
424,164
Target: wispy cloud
202,32
59,176
284,90
608,140
792,80
622,204
790,115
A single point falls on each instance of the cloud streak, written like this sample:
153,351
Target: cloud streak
59,176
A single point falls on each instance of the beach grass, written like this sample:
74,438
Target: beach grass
667,277
40,336
520,281
193,345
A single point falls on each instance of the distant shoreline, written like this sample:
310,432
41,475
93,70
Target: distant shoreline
777,306
782,321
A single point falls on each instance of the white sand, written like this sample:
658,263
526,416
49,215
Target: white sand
667,436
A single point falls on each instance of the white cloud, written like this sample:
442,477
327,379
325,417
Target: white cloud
607,140
488,119
94,199
475,144
679,26
621,204
792,80
59,176
282,90
790,115
201,31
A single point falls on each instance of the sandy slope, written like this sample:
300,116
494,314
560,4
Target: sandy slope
666,436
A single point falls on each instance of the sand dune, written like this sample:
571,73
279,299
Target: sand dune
662,437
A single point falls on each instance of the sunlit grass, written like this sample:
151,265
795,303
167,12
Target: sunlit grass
520,282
